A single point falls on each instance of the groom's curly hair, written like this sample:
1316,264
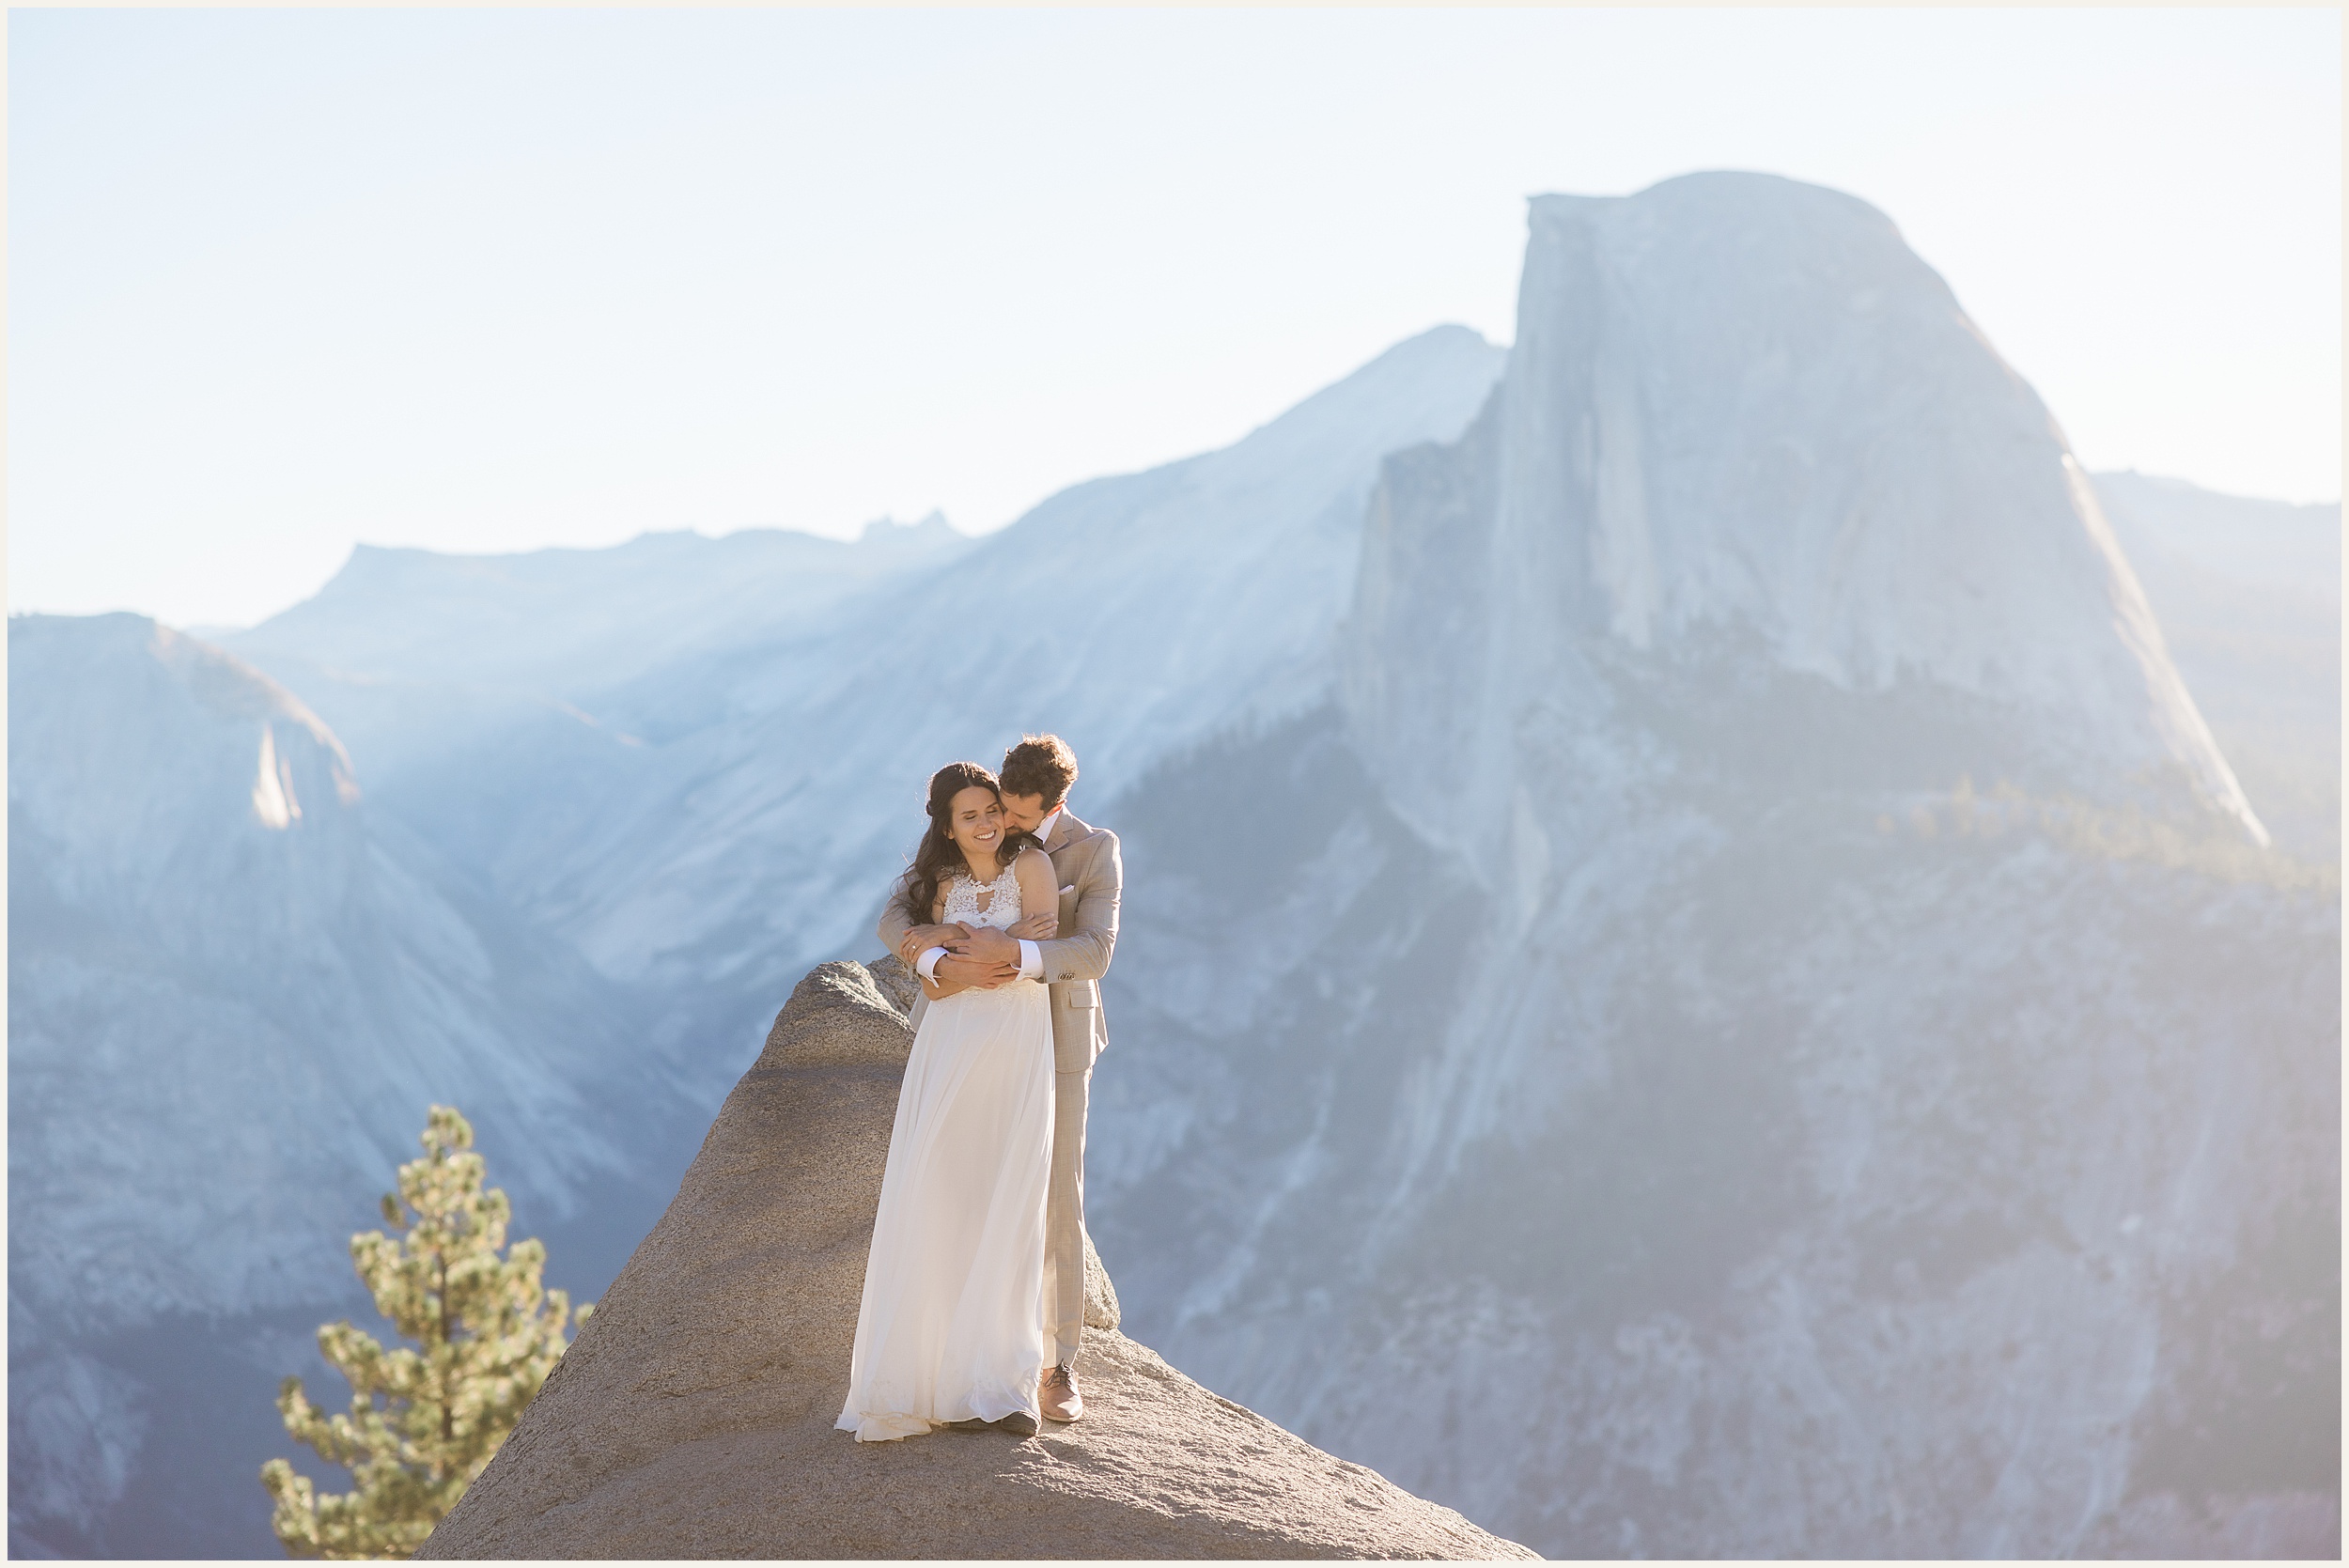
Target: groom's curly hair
939,858
1040,765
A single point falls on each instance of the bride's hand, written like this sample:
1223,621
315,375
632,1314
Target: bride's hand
923,938
1042,927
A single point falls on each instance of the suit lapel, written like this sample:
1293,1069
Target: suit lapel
1068,830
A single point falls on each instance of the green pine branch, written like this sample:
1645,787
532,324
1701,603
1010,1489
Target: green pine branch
423,1422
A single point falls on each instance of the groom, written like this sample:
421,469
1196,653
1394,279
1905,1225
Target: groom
1035,778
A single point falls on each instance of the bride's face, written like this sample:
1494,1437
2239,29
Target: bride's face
978,823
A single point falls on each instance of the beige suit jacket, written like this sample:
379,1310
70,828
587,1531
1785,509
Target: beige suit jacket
1092,878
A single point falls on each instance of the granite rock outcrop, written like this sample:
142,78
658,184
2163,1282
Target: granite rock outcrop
693,1416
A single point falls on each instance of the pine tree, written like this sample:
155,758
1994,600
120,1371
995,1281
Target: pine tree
423,1422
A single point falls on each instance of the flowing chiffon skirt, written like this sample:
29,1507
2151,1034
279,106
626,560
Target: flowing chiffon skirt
952,1324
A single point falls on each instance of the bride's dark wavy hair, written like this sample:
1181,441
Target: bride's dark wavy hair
940,857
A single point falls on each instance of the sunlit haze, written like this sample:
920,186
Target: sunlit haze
284,281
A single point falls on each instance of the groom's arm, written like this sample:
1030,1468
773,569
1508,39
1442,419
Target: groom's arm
1085,953
896,918
898,924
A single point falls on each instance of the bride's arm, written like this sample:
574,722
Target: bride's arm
1044,924
1038,892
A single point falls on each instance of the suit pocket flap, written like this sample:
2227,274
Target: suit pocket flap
1080,994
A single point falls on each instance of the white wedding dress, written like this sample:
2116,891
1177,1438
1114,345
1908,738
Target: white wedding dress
952,1324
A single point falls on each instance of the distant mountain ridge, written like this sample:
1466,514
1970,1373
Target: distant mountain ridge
546,620
1183,599
1679,917
462,788
2248,596
233,989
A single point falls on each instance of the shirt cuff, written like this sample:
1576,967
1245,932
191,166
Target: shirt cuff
1031,960
927,965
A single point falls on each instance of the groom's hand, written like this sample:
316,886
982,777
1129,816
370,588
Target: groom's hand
979,973
987,943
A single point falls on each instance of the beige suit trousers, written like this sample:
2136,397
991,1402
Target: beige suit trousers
1065,1218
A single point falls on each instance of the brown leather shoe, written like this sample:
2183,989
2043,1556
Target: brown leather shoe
1057,1392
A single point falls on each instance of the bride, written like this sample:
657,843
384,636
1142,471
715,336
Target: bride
951,1329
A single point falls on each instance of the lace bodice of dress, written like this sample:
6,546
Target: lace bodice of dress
1003,910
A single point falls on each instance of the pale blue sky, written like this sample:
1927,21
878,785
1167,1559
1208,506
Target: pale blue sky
281,281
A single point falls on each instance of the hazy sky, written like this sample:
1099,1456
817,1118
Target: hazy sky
281,281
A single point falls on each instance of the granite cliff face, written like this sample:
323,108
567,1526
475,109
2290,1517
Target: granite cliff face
1760,1009
1747,433
693,1416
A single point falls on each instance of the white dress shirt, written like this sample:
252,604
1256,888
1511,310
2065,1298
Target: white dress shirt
1031,956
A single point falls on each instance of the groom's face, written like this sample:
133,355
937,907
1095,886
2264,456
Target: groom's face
1024,814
